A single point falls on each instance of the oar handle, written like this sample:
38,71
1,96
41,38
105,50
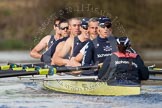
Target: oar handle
79,68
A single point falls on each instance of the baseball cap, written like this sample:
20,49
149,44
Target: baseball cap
105,22
84,23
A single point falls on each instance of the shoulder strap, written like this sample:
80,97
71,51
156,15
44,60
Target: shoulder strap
51,41
76,39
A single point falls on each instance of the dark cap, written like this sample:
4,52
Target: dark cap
105,21
84,23
123,41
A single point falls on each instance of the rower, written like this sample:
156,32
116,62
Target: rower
123,67
46,41
66,48
64,31
102,46
79,42
93,27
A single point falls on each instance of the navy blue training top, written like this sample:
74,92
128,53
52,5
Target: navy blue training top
51,41
46,57
98,50
123,69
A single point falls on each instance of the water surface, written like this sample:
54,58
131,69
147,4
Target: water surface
24,93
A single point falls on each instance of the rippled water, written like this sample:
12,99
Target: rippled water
24,93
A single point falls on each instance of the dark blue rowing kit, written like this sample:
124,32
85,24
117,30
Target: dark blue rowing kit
51,41
98,49
46,57
78,45
123,69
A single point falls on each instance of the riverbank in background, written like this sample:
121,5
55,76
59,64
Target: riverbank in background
129,19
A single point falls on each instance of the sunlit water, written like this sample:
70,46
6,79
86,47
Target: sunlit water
24,93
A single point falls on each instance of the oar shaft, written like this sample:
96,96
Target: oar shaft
155,72
51,71
18,73
79,68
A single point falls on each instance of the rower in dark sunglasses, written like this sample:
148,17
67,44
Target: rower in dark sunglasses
46,42
85,27
106,24
64,35
103,46
63,28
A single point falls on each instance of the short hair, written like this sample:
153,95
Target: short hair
93,19
58,19
63,21
75,18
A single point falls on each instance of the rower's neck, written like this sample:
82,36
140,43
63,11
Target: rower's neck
81,38
57,36
73,35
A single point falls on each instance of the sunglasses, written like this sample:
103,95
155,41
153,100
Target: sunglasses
107,25
63,28
84,27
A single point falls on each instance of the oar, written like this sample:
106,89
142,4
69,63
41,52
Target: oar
155,71
14,66
78,68
48,71
42,65
12,73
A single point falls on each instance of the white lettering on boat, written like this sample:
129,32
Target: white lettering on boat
84,87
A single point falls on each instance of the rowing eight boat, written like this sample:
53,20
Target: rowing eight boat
73,84
89,87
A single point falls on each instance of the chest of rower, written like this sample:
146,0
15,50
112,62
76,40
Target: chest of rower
102,50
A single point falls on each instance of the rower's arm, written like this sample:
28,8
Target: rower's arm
79,57
62,50
81,53
35,52
103,72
